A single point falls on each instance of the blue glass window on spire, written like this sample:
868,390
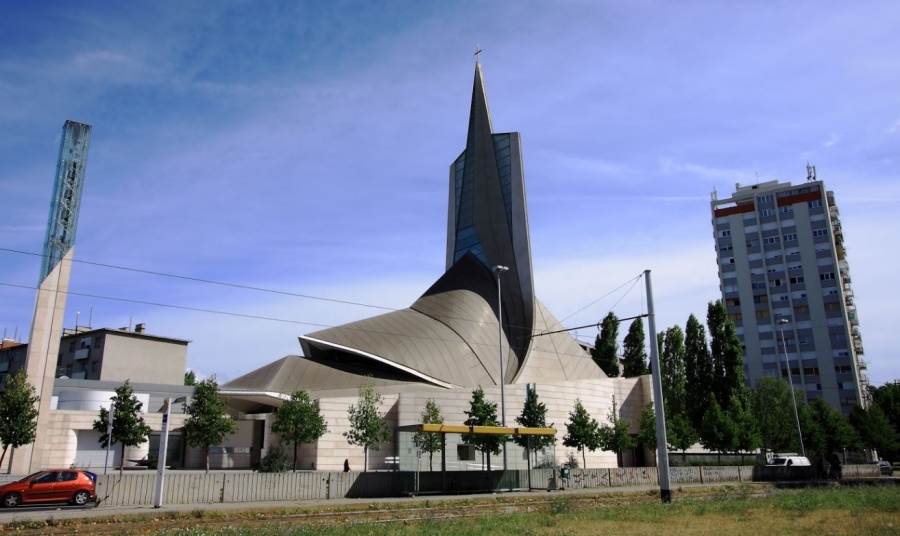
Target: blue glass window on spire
467,242
459,168
502,152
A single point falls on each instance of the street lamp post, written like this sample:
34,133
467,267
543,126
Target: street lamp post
109,436
498,270
163,449
781,323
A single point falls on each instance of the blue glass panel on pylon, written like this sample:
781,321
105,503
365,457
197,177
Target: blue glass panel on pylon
66,201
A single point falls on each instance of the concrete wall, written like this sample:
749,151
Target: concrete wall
631,395
134,489
143,359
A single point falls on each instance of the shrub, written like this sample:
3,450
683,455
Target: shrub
275,461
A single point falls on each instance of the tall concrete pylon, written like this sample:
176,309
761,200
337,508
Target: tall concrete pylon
53,287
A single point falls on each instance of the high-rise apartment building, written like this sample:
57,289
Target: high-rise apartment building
785,280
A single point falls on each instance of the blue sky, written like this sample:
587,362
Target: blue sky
304,147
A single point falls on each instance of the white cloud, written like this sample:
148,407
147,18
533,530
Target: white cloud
833,139
894,128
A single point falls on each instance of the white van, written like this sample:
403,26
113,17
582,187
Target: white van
789,461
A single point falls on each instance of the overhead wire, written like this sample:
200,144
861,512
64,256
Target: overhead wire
633,281
244,287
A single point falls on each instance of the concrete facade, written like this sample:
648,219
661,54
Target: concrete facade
121,354
785,280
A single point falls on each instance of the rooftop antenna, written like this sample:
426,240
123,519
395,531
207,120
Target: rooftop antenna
91,317
810,172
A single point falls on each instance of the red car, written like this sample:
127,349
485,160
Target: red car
51,485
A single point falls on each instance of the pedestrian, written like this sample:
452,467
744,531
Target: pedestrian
346,466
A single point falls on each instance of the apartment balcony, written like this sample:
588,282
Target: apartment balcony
858,346
79,375
4,366
862,364
82,353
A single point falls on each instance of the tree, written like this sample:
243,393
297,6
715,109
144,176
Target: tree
646,437
208,421
873,427
831,431
190,378
614,436
770,402
746,435
430,443
129,428
697,372
582,432
726,356
681,435
299,421
634,350
534,415
605,351
672,365
887,397
368,427
717,430
483,413
18,413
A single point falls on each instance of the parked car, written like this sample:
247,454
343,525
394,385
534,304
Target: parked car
789,461
886,467
51,485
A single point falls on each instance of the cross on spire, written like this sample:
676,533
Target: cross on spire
477,52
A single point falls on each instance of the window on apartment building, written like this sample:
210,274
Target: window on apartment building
752,243
758,285
811,371
815,204
766,212
95,366
786,208
770,240
776,282
761,299
801,309
842,369
762,314
802,340
827,276
796,279
831,292
820,232
766,198
726,247
726,232
733,302
838,337
832,307
790,237
97,342
736,317
72,346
